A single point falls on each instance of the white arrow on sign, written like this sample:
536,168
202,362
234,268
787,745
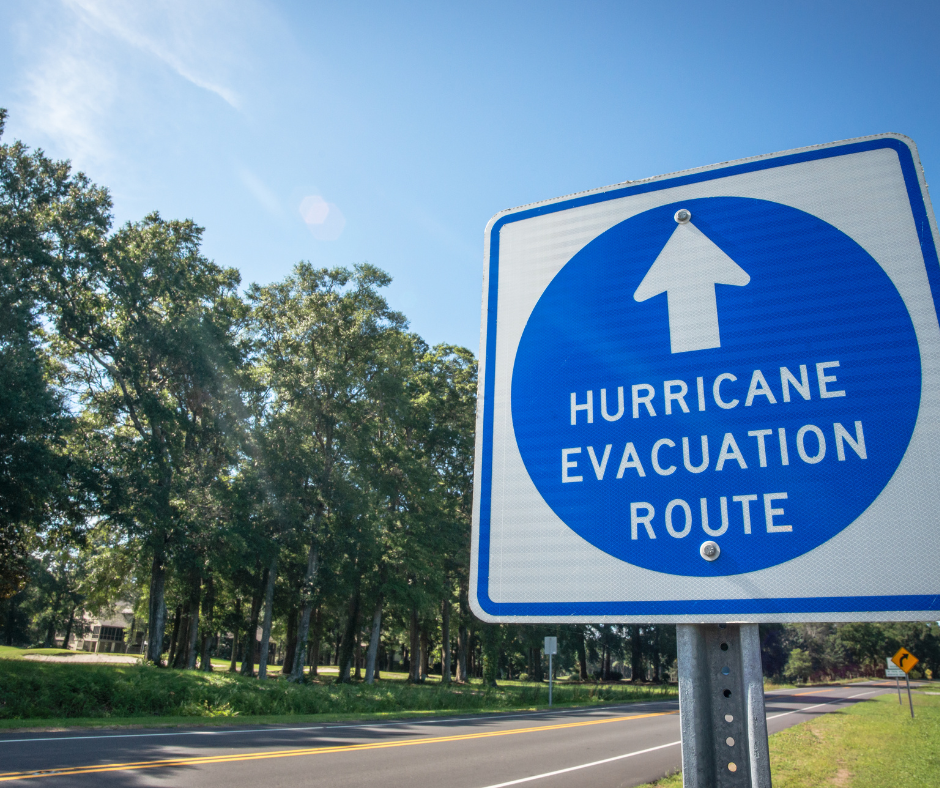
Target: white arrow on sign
687,270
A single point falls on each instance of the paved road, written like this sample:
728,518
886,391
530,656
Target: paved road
609,747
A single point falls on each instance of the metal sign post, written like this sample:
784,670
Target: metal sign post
906,661
892,671
721,701
702,398
551,648
907,680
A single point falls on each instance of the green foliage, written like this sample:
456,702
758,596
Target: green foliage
799,666
834,651
30,690
46,213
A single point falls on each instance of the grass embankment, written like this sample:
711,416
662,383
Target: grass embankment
46,693
874,744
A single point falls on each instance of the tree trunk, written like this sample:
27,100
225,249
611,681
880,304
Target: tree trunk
251,636
358,656
179,654
208,616
463,634
205,652
195,594
315,640
233,665
655,656
636,654
11,619
309,589
49,642
582,656
156,621
268,612
68,629
347,652
445,642
374,637
174,637
425,653
490,655
292,616
414,663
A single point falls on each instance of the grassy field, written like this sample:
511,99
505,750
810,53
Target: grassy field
874,744
9,652
36,694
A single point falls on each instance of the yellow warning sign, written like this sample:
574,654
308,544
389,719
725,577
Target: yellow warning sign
904,660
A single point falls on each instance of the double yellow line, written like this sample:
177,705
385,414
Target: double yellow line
257,756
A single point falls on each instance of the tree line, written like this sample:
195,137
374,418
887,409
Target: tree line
287,458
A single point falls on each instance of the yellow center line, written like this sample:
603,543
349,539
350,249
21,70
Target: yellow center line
815,692
205,759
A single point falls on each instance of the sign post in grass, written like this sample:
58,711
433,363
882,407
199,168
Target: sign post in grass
906,661
551,648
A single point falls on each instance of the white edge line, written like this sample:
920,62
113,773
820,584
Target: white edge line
660,747
828,702
585,765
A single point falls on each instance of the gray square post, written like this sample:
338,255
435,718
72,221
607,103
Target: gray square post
721,702
551,648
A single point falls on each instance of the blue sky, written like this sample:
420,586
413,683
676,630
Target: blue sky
391,132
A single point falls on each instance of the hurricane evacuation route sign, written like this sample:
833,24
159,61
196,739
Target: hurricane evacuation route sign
714,396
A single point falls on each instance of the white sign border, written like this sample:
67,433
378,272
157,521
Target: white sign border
899,607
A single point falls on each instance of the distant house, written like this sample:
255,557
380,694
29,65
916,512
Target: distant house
108,633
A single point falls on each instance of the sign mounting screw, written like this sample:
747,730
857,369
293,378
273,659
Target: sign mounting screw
710,550
683,216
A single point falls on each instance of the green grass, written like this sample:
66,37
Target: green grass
59,693
874,744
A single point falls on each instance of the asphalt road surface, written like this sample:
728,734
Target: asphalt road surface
605,747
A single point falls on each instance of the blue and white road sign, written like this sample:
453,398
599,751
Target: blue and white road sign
715,396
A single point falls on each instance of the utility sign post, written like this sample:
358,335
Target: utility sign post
551,648
707,398
892,671
906,661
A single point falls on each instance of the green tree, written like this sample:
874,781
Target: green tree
47,214
799,666
148,326
320,337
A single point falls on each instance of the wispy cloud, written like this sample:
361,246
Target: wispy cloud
260,191
66,96
178,34
90,69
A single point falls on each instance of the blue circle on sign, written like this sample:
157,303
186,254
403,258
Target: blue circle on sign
769,442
